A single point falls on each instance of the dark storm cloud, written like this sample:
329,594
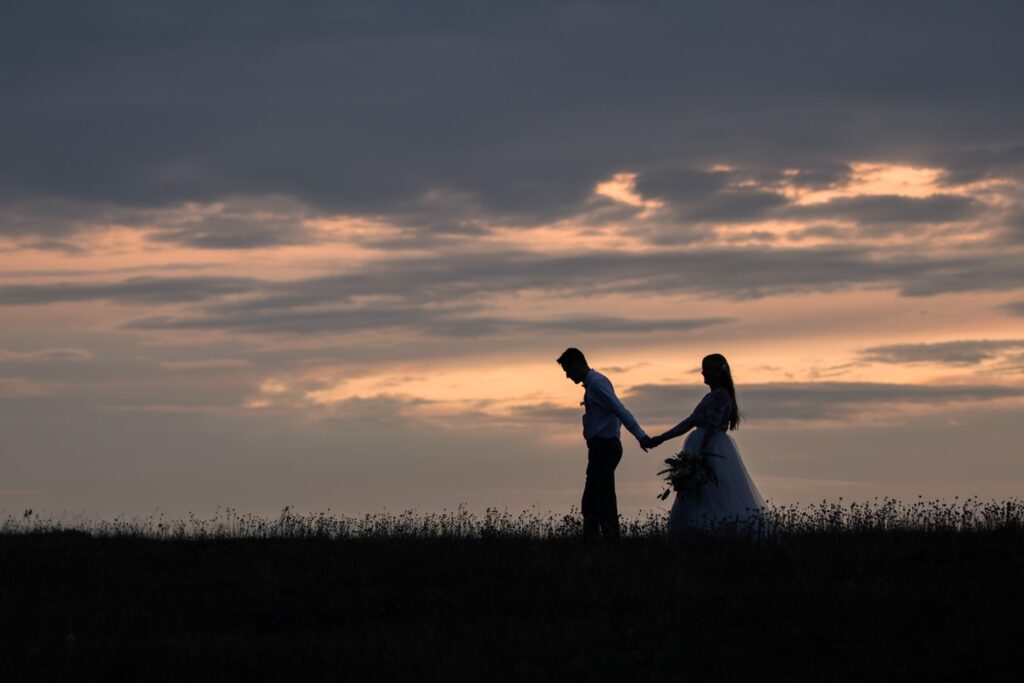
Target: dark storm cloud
809,400
734,206
727,197
133,290
965,166
682,185
891,209
964,352
369,107
821,176
710,196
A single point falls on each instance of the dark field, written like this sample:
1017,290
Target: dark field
882,592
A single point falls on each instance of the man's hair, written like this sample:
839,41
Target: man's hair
572,355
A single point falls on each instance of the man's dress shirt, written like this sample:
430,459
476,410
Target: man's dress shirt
604,412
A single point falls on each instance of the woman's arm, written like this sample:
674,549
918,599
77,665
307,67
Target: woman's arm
695,418
680,429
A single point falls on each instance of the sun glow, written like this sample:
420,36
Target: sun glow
621,187
870,178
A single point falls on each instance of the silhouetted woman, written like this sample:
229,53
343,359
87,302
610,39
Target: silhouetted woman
735,501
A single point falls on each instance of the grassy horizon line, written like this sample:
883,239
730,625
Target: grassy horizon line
879,515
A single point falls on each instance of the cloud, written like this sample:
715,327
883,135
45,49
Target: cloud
820,232
734,273
449,322
545,412
734,206
697,196
821,176
380,409
1014,308
56,217
1013,227
457,279
961,353
239,223
94,273
372,108
971,165
617,369
150,290
23,387
681,185
749,195
811,401
232,222
205,364
44,355
887,210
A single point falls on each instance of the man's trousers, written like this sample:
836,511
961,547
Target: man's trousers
600,508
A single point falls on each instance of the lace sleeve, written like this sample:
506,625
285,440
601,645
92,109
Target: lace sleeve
712,412
717,410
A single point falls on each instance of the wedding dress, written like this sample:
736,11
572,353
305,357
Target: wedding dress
734,504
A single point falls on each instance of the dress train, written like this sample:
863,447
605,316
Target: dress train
734,504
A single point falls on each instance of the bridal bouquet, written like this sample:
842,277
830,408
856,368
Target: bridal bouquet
688,473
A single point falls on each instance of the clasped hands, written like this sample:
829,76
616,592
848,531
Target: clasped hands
649,442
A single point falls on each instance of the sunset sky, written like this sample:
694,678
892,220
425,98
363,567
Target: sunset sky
324,254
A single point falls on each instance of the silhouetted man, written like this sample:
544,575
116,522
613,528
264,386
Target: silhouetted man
603,415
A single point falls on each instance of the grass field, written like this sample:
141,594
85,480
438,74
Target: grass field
879,591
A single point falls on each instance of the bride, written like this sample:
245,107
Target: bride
734,503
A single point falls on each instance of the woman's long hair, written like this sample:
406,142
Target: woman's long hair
718,361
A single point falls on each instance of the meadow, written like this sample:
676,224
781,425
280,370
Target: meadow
877,590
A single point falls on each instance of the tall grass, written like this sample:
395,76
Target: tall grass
827,517
853,591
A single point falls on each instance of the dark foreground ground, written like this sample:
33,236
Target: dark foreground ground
815,607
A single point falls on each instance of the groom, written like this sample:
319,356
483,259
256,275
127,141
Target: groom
602,417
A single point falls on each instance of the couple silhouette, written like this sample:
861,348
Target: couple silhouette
735,499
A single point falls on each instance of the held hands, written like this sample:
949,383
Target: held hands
648,442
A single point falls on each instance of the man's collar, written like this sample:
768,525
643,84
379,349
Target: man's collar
588,376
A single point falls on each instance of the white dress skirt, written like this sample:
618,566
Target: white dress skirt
733,505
